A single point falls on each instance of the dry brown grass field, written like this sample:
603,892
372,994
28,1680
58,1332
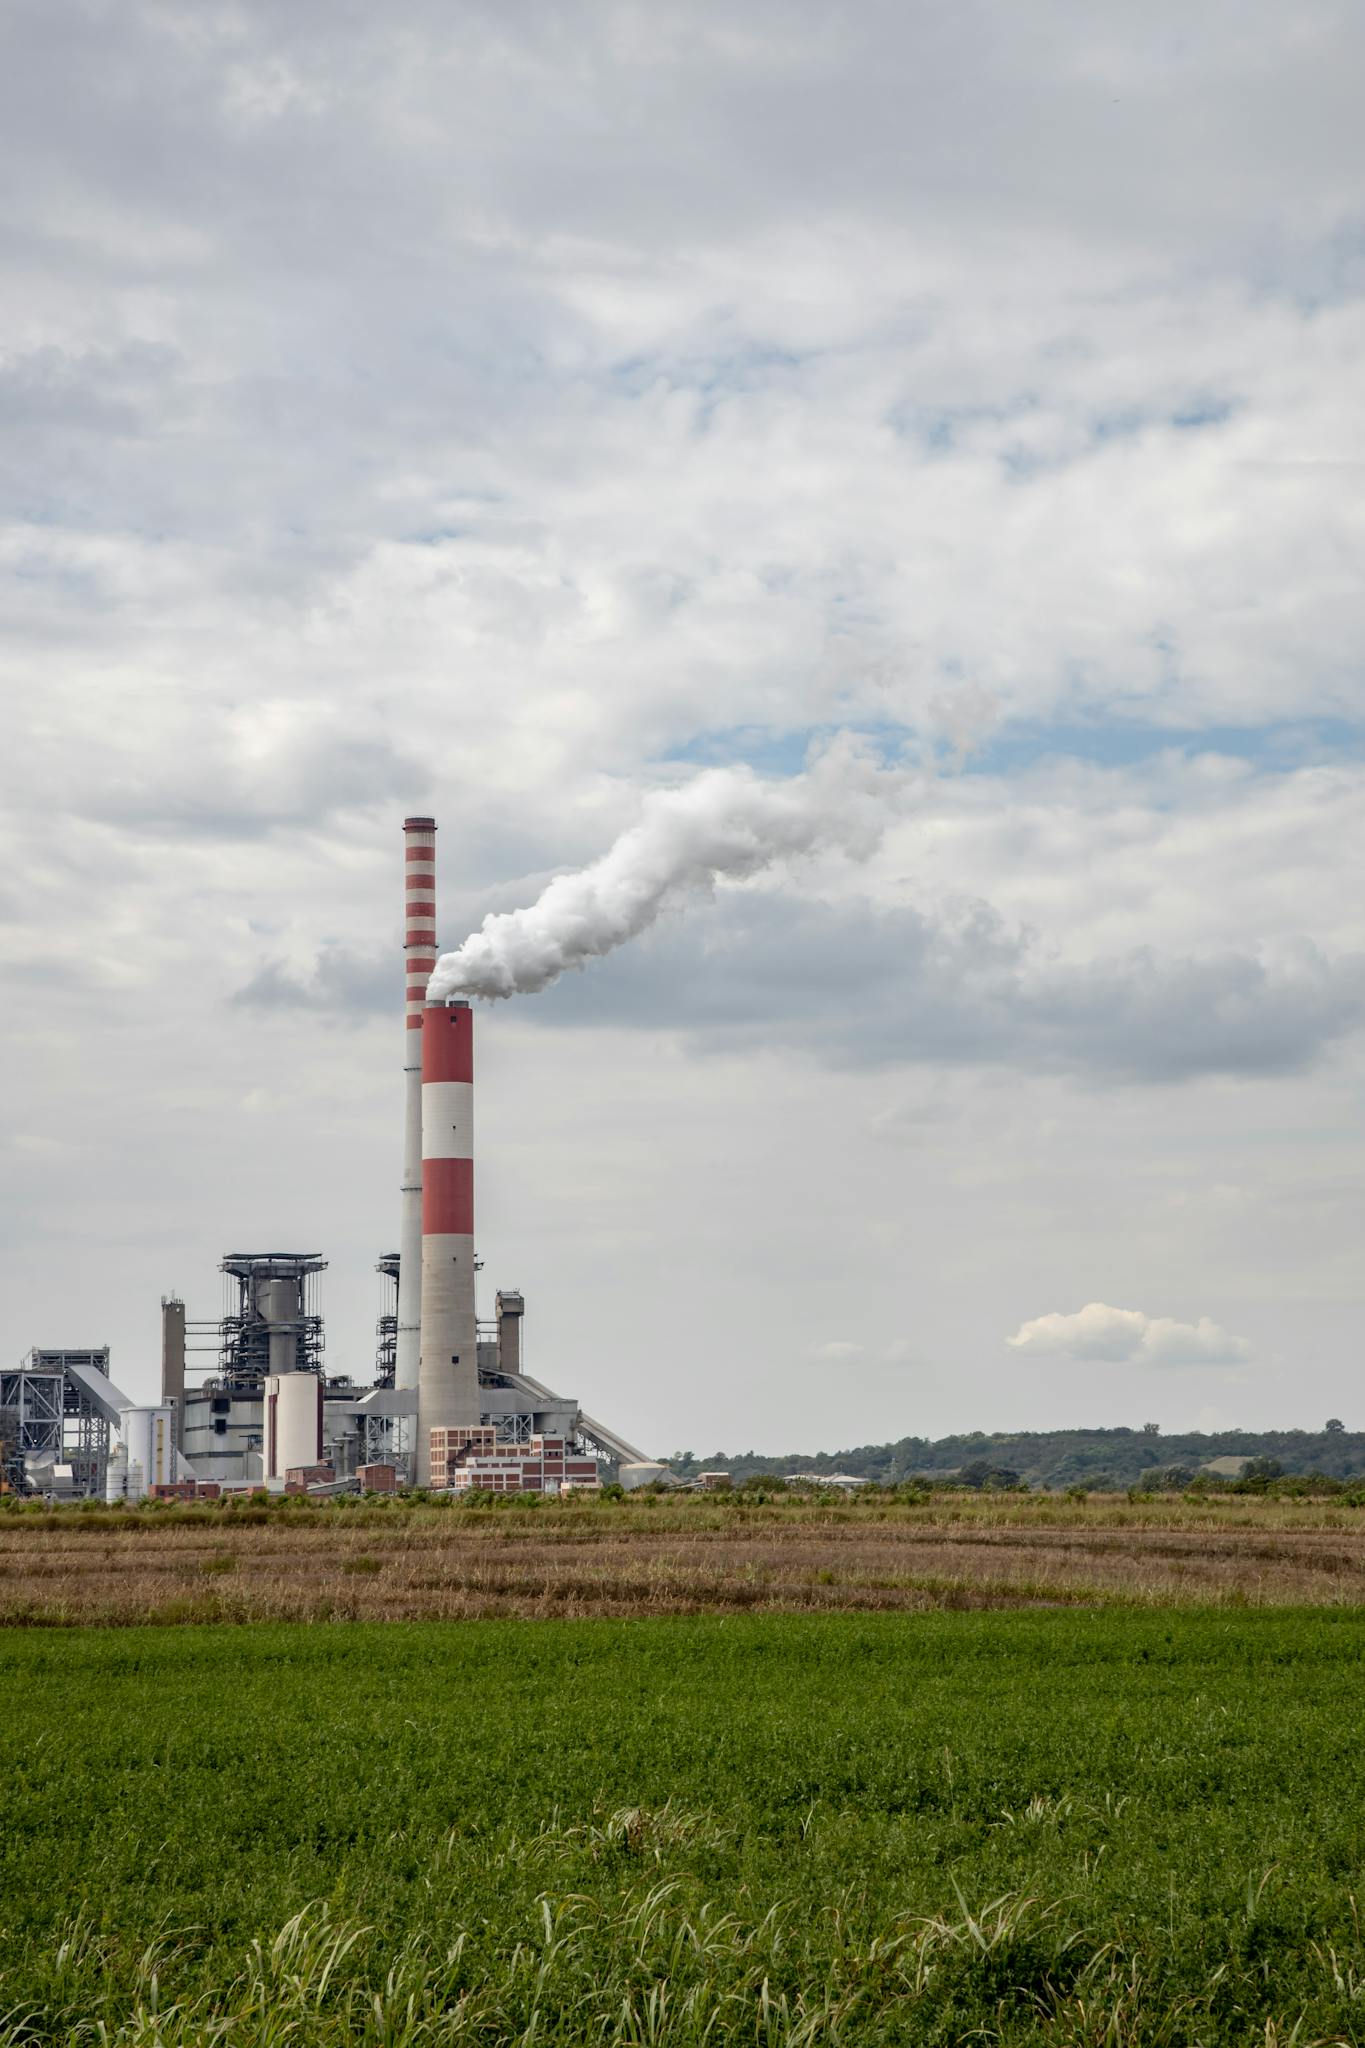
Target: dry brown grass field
687,1555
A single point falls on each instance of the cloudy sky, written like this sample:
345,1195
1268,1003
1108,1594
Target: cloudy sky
511,410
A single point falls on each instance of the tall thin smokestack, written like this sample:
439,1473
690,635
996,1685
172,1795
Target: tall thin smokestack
448,1370
419,954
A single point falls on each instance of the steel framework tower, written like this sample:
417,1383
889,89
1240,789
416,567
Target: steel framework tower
58,1407
274,1325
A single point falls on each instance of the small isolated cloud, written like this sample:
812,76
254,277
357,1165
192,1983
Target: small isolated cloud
872,1362
1125,1336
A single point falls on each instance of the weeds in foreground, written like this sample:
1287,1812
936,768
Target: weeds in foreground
654,1968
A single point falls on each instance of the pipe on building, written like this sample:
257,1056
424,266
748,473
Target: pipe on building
280,1302
419,954
511,1309
173,1362
448,1369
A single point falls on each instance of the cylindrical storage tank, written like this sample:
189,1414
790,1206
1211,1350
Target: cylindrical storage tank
149,1440
116,1475
292,1419
448,1366
419,957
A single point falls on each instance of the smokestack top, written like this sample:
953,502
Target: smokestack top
447,1042
419,942
419,958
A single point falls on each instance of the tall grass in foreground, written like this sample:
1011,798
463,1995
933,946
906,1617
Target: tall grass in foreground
659,1967
1108,1828
659,1964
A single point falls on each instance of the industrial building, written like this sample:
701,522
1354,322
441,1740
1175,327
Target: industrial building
246,1398
474,1460
59,1408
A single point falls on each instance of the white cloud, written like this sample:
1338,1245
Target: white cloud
1100,1334
404,411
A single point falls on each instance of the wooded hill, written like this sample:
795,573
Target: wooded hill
1056,1457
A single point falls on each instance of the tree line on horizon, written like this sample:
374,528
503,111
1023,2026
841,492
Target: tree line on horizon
1094,1458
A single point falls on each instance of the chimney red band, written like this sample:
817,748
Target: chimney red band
447,1043
447,1197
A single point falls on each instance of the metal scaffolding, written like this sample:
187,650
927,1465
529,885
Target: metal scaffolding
12,1479
380,1439
386,1329
269,1298
51,1419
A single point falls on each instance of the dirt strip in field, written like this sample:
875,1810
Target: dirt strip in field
449,1564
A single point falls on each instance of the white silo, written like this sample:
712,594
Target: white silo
149,1441
292,1434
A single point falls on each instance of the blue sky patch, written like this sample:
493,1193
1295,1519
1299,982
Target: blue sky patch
1019,744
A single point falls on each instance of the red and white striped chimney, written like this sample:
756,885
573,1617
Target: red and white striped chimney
448,1371
419,957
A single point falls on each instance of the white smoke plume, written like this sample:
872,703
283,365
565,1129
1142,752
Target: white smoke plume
727,823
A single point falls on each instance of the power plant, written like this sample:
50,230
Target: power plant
450,1403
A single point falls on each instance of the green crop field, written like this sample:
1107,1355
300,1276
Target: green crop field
1111,1827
